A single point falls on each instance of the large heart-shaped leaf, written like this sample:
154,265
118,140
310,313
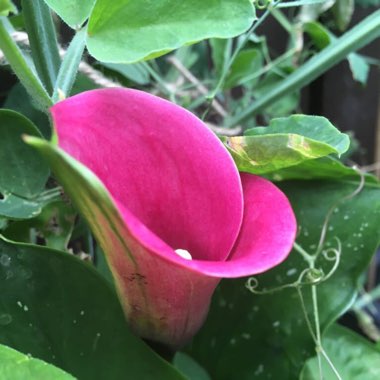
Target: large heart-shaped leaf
59,309
354,357
23,171
265,336
17,366
132,30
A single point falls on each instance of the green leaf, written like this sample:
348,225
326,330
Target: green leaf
135,72
318,33
282,107
73,12
343,11
321,168
246,63
189,367
360,35
19,101
59,309
17,366
322,37
69,68
23,171
14,207
354,357
359,68
249,336
6,7
54,224
157,27
316,128
220,52
286,142
21,67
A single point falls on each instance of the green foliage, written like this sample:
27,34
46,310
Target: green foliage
265,336
247,62
359,68
360,35
281,107
73,12
322,37
111,39
354,357
22,68
14,207
343,11
136,72
54,224
19,101
60,310
315,128
6,7
43,41
23,171
286,142
69,67
189,367
17,366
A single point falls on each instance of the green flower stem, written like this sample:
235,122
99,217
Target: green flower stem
43,41
359,36
22,69
70,65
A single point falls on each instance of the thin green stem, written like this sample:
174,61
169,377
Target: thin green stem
70,65
22,69
367,298
267,67
161,83
317,328
309,258
308,322
331,364
359,36
234,55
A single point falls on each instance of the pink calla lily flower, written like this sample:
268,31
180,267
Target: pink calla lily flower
190,218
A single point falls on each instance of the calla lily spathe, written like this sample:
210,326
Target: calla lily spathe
191,218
